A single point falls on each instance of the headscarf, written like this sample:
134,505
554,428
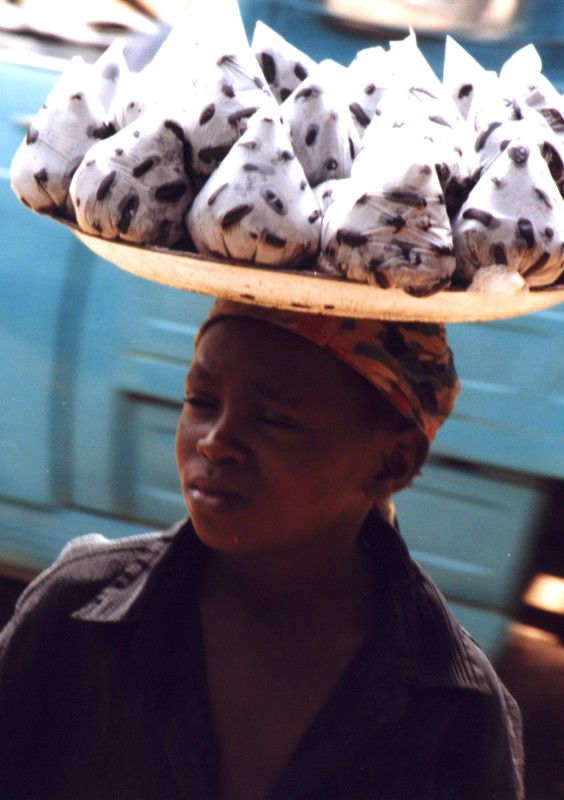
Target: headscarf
411,363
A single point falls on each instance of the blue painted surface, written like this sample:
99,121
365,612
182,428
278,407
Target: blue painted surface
93,361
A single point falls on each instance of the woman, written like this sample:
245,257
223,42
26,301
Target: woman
280,643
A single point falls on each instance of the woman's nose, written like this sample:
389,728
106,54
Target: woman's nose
222,442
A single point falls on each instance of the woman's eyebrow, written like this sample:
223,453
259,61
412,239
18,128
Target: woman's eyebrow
201,372
273,393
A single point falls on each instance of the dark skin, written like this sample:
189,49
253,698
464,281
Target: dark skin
280,459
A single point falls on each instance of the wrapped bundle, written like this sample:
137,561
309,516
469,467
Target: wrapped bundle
513,217
388,225
73,117
258,206
226,97
463,77
134,185
283,65
186,61
323,133
368,77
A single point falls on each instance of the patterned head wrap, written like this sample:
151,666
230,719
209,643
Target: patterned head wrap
409,363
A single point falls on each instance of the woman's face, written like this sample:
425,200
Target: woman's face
275,445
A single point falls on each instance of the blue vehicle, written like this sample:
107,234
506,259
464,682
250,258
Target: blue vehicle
93,362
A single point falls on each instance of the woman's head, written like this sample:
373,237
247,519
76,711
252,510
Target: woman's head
280,441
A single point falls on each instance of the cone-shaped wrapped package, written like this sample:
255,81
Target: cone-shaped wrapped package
417,116
323,133
283,65
72,119
134,185
388,226
463,76
368,78
185,59
257,206
514,216
226,97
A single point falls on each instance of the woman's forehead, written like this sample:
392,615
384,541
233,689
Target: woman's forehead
271,358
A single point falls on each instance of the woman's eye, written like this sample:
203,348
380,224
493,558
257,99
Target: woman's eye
199,402
278,421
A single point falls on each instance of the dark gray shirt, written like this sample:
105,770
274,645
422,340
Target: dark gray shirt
103,689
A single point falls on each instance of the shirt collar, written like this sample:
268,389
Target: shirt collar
418,639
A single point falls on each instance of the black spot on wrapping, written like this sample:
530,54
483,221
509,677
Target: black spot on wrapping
209,155
103,131
235,215
214,195
118,151
268,65
526,231
274,241
244,113
351,237
352,149
285,93
300,71
144,167
251,168
111,72
554,161
274,200
361,201
171,192
549,233
438,120
538,266
227,89
229,58
127,208
77,96
250,145
542,195
207,114
397,222
369,89
483,217
519,154
465,91
187,150
105,186
41,176
286,155
331,165
32,135
484,135
406,197
554,118
136,134
499,183
311,135
308,92
499,255
313,217
422,90
303,185
359,114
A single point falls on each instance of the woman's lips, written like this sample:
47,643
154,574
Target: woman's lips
213,497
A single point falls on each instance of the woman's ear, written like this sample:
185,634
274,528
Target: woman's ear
399,463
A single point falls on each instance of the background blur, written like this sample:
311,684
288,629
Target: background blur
92,361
